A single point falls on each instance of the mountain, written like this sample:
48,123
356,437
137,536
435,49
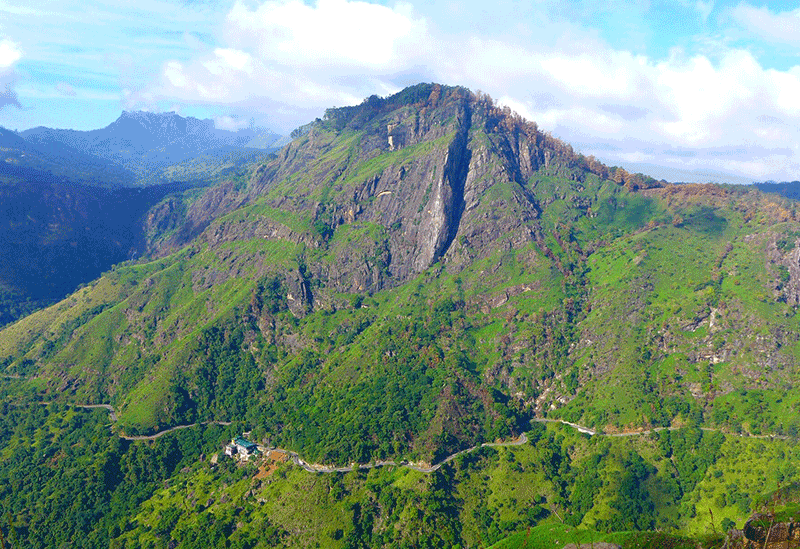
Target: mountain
145,143
789,189
521,277
21,159
69,215
414,277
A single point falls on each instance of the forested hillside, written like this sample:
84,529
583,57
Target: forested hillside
424,273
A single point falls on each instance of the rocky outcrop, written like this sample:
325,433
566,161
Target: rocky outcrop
174,223
783,261
437,174
444,209
761,531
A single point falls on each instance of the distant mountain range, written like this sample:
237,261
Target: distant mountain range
21,158
135,150
789,189
72,203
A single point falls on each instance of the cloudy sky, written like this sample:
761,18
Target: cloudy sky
681,89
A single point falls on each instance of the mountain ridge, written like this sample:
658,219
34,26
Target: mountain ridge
412,278
144,142
61,175
478,244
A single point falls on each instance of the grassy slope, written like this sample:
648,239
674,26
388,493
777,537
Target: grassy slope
626,310
476,501
678,296
636,281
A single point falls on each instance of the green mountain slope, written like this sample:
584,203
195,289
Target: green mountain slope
421,273
67,479
56,235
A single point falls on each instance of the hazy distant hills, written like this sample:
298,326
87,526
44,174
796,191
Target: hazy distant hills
72,204
56,161
143,144
789,189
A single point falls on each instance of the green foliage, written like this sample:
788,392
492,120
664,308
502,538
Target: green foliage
632,507
568,295
65,479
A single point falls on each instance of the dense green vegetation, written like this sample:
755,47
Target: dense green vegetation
324,301
67,480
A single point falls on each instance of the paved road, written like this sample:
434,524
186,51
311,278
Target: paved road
171,429
112,414
419,467
592,432
580,428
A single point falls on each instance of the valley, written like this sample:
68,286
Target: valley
76,203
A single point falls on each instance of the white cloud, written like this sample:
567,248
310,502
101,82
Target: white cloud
292,60
631,109
783,28
173,72
611,74
290,57
515,105
342,32
230,59
10,53
230,123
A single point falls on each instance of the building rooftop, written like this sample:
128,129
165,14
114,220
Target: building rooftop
244,443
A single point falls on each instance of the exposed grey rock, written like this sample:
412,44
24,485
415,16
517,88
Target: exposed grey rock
762,532
436,204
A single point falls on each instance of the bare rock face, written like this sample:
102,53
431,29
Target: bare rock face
387,189
792,286
459,194
184,223
762,532
299,297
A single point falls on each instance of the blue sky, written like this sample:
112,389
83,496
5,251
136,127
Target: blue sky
681,89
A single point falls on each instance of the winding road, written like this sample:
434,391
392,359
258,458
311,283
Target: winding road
419,466
316,468
639,432
112,414
171,429
425,468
